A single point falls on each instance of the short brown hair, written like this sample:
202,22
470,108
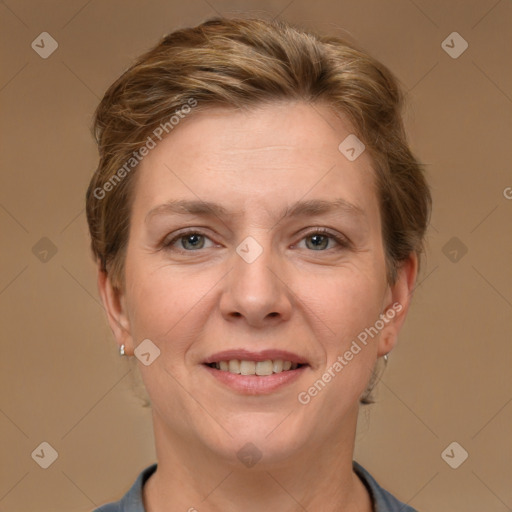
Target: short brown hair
243,63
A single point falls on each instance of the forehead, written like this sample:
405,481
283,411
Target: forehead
266,158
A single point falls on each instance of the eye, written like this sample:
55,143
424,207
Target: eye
321,240
188,241
318,240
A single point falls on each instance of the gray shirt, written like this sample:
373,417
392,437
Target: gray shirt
382,500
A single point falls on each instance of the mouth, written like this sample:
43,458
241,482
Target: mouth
260,368
255,372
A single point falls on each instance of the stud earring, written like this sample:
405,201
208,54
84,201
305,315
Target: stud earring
121,351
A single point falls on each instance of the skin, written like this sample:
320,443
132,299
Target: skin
295,296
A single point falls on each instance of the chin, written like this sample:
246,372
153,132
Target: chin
261,437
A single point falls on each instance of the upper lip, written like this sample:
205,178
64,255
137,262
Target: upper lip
261,355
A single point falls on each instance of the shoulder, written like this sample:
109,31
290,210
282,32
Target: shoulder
382,499
132,500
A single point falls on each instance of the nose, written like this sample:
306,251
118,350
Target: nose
256,292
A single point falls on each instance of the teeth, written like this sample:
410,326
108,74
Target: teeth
234,366
264,368
255,368
277,366
247,367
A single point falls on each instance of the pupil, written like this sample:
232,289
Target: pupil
318,241
192,241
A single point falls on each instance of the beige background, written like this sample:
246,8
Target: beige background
62,381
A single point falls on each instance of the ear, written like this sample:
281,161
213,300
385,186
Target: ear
115,306
396,304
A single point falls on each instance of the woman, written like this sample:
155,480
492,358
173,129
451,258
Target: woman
257,218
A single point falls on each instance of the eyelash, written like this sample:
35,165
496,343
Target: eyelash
342,242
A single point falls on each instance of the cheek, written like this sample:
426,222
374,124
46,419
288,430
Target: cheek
166,304
346,303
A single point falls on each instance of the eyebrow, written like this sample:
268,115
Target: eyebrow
298,209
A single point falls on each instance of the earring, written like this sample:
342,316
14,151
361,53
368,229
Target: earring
121,350
386,358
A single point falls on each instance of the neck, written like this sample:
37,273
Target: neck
316,477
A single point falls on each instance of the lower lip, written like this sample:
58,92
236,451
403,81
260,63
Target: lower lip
256,384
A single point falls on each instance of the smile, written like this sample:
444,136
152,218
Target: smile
255,373
261,368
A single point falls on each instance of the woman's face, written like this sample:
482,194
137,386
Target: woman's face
274,254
